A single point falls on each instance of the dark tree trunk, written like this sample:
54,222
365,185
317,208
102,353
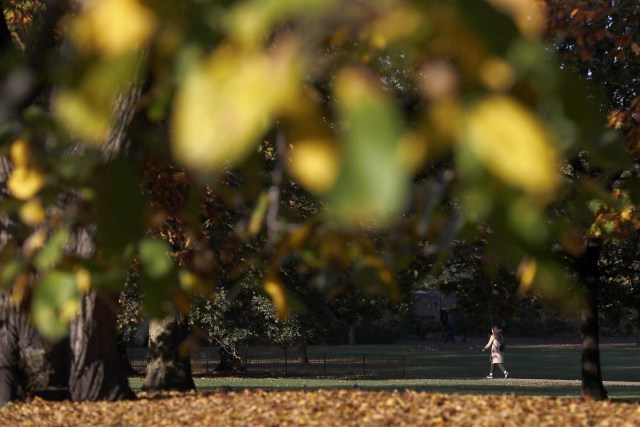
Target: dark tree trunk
592,386
351,335
124,357
229,361
96,369
59,363
169,366
29,365
302,352
11,384
89,362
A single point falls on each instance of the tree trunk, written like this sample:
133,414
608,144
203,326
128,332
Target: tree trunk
89,362
592,386
351,336
229,360
29,365
11,388
124,357
168,367
96,369
302,352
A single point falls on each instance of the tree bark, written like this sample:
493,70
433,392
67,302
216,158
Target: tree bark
96,369
124,357
229,360
592,386
29,364
169,366
89,363
11,387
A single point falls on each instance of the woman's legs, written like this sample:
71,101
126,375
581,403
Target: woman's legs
501,366
490,372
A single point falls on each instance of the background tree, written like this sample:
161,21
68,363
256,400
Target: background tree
598,40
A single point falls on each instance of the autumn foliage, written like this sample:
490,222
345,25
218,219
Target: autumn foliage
324,408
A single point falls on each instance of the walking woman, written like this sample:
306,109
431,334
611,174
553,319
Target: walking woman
496,358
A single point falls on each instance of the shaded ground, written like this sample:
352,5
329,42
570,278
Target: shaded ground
323,407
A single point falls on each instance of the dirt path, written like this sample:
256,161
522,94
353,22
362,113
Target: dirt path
564,382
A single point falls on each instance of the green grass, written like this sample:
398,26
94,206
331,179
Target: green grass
515,386
458,368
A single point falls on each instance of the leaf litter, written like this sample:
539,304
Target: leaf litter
322,408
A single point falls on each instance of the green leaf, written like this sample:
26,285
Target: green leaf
158,276
154,255
53,251
372,185
11,270
259,212
55,301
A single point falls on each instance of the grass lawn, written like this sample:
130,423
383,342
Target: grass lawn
459,368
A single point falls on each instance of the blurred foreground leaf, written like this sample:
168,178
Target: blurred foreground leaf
512,143
228,101
372,185
154,257
56,300
52,252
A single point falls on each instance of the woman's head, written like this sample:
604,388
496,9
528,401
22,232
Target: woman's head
496,332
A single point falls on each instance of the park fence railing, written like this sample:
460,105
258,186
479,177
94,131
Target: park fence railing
289,362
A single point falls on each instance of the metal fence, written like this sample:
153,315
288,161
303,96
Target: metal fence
288,362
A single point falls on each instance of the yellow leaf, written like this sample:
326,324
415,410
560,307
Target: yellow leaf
25,183
34,243
81,118
274,287
258,215
19,289
527,272
68,310
20,153
194,284
315,163
250,23
112,27
32,213
412,151
225,104
513,143
444,118
83,280
497,74
399,23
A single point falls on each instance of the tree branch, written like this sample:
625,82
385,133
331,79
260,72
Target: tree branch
273,227
5,35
